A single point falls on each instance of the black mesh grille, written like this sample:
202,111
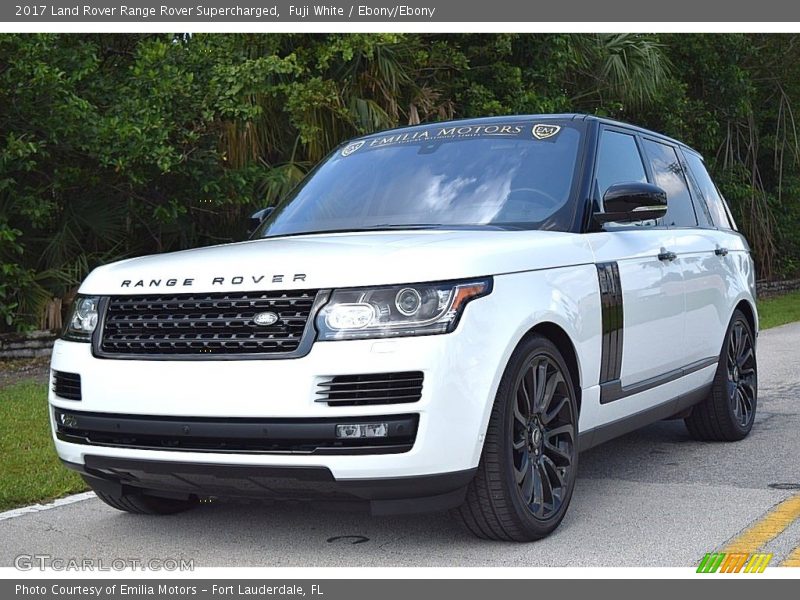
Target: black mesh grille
205,324
67,385
377,388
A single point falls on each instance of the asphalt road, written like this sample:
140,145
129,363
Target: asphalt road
651,498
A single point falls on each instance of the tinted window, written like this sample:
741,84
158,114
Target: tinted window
713,200
668,174
618,161
514,174
700,207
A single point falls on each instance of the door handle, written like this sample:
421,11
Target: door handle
721,251
667,255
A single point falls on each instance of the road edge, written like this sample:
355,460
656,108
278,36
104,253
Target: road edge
34,508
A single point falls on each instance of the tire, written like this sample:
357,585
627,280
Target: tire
144,504
728,413
506,501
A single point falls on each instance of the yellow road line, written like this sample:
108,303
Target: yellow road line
793,560
768,528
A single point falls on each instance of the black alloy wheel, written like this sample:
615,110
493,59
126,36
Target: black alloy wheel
544,437
741,363
527,471
728,413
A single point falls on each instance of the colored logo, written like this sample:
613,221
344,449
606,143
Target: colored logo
265,318
542,132
732,562
350,148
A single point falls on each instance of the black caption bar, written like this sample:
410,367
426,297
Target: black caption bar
394,589
193,11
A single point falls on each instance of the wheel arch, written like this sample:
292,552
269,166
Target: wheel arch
556,334
750,313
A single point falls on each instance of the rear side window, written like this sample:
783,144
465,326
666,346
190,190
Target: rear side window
711,197
618,161
668,174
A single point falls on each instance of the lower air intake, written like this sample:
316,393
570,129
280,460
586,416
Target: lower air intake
67,385
375,388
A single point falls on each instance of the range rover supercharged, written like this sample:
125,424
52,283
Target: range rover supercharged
438,317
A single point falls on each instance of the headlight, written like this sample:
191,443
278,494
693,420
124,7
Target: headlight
83,319
400,310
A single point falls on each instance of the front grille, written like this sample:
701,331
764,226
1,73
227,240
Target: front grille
199,325
67,385
376,388
232,434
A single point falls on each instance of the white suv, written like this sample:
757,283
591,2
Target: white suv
438,317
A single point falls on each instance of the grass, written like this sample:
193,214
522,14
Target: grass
779,310
30,471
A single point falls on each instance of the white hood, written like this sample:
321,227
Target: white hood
340,260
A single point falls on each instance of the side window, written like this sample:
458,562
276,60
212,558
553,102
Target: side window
704,217
668,174
618,161
714,202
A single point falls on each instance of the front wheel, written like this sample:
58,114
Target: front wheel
730,409
528,467
143,504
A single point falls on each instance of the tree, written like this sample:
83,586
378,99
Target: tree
120,145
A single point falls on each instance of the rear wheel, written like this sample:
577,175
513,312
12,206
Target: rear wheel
527,470
144,504
729,411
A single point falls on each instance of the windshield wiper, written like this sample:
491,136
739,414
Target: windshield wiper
383,227
401,226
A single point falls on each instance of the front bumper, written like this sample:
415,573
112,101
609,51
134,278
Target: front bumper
461,373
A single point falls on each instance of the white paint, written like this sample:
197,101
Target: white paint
340,260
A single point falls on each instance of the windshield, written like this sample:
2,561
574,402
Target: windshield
509,175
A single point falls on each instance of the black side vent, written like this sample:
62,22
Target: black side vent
376,388
67,385
612,315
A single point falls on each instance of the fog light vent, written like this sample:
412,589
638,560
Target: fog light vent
362,430
67,420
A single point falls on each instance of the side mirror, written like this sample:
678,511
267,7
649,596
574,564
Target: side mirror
257,218
632,201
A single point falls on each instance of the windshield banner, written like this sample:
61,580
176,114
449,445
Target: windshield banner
533,131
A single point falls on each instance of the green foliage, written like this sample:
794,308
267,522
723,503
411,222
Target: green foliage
117,145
